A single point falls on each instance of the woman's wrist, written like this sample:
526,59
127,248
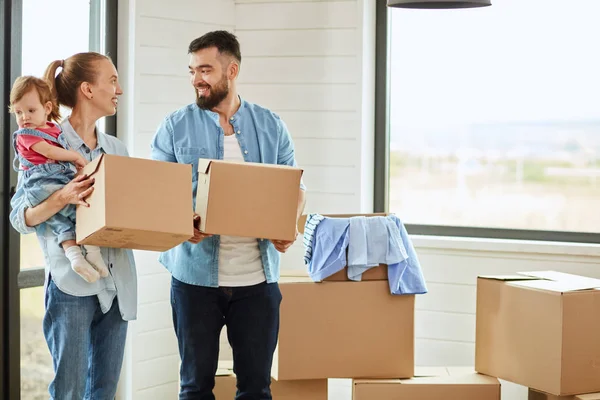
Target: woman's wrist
61,198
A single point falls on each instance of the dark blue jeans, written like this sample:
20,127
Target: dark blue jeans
251,314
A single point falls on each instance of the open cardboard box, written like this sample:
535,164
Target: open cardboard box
248,199
136,204
373,274
540,329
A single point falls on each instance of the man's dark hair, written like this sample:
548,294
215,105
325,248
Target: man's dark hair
224,41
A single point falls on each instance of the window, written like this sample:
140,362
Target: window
494,119
37,32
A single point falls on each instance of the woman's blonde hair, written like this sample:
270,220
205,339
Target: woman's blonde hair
79,68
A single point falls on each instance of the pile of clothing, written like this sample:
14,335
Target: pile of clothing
361,243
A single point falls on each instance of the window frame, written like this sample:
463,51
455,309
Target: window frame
382,158
103,38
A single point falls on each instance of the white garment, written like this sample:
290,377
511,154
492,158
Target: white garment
240,263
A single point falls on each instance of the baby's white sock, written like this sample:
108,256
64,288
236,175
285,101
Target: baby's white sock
80,265
94,257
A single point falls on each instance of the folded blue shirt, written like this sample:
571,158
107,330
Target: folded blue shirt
368,242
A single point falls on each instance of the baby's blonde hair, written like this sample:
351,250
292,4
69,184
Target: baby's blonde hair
25,84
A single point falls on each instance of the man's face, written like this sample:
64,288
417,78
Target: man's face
208,75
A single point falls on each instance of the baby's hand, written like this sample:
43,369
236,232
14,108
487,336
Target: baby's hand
79,161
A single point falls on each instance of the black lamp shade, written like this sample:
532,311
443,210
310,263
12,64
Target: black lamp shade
438,4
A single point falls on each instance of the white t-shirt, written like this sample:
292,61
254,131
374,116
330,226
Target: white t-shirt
240,263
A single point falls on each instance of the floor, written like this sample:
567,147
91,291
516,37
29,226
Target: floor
339,389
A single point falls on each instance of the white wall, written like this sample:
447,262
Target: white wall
312,62
152,63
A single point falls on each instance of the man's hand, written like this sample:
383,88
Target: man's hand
283,245
198,236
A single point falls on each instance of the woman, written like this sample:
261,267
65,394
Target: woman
85,324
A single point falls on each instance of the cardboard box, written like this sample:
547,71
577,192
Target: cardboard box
374,274
248,199
435,383
344,330
535,395
225,387
540,330
378,273
136,204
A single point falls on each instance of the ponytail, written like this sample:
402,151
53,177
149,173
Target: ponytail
51,78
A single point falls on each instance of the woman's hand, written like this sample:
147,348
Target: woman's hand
76,191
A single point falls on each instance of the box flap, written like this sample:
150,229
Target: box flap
508,278
204,165
92,167
556,286
539,395
438,375
225,368
560,281
548,280
224,372
589,396
564,277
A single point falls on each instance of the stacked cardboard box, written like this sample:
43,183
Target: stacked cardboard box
345,329
537,395
430,384
540,330
225,386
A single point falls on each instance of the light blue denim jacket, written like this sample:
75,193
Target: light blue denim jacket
122,280
189,134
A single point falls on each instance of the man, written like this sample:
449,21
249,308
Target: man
218,280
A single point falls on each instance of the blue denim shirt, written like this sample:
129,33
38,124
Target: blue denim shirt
189,134
122,280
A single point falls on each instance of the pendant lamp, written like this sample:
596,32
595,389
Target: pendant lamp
438,4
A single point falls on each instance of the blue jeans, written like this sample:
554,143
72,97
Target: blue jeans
86,345
39,182
251,314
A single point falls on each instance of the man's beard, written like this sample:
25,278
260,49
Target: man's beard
218,93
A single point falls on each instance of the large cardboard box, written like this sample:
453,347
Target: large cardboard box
248,199
436,383
344,330
225,387
136,204
536,395
373,274
540,330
